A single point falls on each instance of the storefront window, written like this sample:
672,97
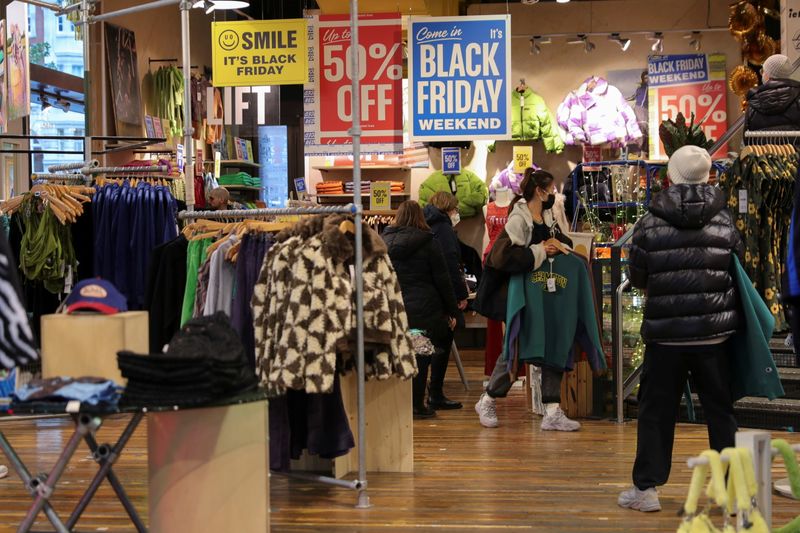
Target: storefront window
53,43
54,121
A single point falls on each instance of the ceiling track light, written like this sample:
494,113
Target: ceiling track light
220,5
658,42
588,45
624,44
537,40
695,40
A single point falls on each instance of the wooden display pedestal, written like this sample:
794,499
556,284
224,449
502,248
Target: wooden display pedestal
389,425
87,345
208,469
576,391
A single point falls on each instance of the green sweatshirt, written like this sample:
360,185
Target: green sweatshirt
471,191
544,326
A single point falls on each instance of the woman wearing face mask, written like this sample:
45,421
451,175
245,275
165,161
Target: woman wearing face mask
441,214
535,217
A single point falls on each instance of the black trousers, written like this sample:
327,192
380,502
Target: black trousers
664,373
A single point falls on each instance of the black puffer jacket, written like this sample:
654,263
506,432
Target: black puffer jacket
442,229
681,255
774,105
427,293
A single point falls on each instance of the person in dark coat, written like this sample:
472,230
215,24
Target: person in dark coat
681,257
774,105
441,214
427,292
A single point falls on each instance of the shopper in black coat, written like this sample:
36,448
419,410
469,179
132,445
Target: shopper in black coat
427,292
774,105
441,214
681,257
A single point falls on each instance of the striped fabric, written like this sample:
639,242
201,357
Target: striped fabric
16,338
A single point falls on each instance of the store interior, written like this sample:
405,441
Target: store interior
287,402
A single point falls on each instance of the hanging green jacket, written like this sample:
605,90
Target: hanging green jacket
543,327
471,191
531,121
753,369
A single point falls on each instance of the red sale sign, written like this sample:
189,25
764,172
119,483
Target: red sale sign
692,85
380,67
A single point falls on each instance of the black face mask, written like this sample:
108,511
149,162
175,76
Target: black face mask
549,203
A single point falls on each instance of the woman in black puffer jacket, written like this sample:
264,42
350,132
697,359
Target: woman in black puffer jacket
682,257
427,292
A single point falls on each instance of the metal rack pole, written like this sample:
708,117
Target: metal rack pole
188,145
85,7
355,131
124,170
74,166
248,213
776,134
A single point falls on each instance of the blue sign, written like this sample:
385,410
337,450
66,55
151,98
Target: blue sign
677,69
300,185
451,160
459,69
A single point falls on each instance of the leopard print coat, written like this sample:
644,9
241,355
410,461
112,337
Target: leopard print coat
305,316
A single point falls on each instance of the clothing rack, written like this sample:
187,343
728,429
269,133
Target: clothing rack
760,445
57,177
150,61
359,484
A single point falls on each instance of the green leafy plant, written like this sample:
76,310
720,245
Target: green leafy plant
676,134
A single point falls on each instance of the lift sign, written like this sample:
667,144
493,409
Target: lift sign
261,52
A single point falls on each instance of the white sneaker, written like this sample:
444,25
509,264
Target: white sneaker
645,501
3,471
487,411
558,421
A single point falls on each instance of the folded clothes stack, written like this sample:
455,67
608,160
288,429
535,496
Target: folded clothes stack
330,187
241,179
91,391
397,186
204,362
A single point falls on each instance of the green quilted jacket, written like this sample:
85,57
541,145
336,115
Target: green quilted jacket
531,121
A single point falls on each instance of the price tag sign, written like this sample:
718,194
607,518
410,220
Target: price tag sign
380,196
217,164
180,156
451,160
523,158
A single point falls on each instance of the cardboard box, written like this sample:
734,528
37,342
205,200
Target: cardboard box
87,345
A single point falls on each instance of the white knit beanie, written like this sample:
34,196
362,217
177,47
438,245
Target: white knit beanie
689,164
777,66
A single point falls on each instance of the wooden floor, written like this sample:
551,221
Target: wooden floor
467,478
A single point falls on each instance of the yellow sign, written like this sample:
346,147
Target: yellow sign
260,52
217,164
380,193
523,158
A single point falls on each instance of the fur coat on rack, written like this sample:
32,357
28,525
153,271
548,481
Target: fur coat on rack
305,316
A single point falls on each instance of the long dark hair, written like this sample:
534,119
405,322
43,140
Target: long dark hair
410,214
533,179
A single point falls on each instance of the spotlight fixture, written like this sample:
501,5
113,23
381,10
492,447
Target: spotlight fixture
220,5
623,43
695,40
588,46
562,1
529,2
658,42
45,102
537,40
